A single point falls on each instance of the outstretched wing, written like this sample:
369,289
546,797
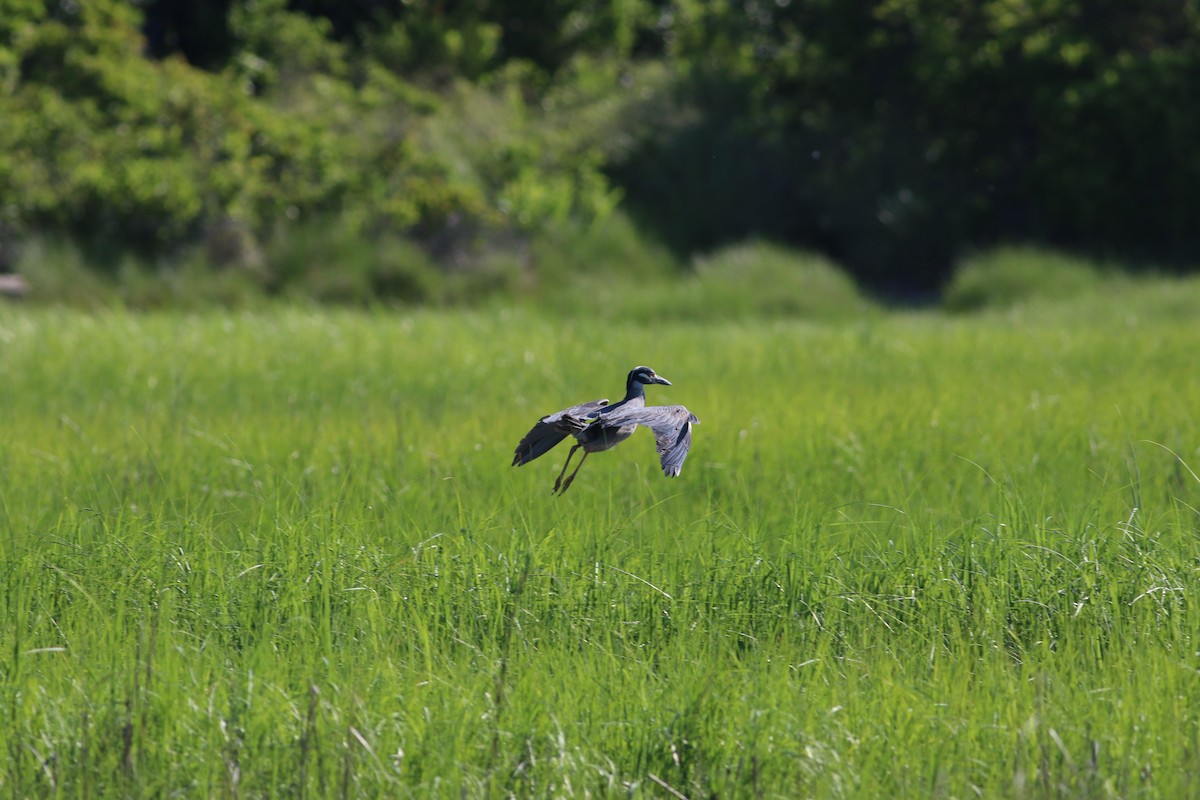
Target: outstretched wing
552,429
672,426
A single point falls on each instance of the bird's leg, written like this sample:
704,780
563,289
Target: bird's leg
566,463
567,485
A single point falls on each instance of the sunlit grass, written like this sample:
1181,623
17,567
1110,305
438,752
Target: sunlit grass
283,553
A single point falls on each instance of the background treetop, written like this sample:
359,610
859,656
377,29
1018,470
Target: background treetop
891,135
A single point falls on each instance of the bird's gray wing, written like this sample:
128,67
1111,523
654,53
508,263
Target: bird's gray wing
672,426
552,429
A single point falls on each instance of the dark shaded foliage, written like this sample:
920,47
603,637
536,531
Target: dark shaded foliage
197,31
942,125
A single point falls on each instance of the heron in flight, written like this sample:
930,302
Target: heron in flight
598,426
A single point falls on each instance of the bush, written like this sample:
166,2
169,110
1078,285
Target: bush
1007,276
127,153
752,280
60,272
760,279
613,248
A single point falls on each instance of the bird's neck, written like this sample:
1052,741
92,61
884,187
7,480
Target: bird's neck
634,389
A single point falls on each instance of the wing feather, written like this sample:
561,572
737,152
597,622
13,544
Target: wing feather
552,429
672,426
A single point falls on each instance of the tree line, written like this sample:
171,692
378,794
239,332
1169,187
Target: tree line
891,134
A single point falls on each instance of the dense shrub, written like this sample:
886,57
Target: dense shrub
1006,276
750,280
757,279
127,153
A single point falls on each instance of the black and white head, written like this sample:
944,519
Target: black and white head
645,375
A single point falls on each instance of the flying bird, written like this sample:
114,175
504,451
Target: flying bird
597,426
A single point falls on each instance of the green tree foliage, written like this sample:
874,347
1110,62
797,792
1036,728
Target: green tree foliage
296,125
892,134
895,132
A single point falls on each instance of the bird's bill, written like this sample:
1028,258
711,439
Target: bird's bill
662,380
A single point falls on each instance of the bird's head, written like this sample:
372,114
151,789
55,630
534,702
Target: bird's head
645,375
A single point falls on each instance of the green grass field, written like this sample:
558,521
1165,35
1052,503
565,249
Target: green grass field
283,553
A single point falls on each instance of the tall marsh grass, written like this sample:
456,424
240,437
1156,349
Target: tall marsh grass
283,553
